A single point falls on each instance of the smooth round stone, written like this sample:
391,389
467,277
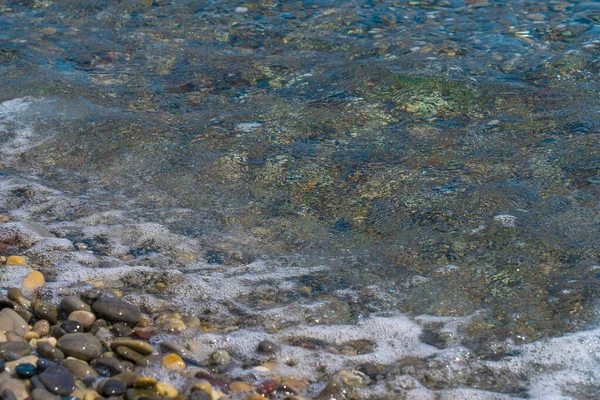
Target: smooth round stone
121,330
6,303
112,387
80,345
50,352
113,364
172,347
173,362
57,332
239,386
268,347
220,357
116,310
25,314
26,370
139,346
72,327
21,349
79,369
34,280
58,380
70,304
82,317
16,260
11,321
47,312
42,327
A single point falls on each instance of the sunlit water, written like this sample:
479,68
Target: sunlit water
287,166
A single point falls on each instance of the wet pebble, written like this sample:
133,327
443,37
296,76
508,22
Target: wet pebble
79,369
33,280
72,327
43,364
173,362
139,346
80,345
117,310
11,321
113,364
71,304
11,349
82,317
220,357
50,352
121,330
26,370
58,380
112,387
268,347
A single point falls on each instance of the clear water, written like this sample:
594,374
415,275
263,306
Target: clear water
316,163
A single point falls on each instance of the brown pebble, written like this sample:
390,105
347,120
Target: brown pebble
256,396
16,260
42,327
84,318
239,386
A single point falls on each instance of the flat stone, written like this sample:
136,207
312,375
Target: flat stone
80,345
128,354
58,380
22,349
144,348
79,369
112,387
268,347
11,321
33,280
16,260
50,352
112,363
172,347
73,303
117,310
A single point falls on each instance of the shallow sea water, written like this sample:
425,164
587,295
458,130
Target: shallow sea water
408,183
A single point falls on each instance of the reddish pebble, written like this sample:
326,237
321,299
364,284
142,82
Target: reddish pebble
143,334
266,387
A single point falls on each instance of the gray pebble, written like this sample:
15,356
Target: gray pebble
80,345
46,350
116,310
58,380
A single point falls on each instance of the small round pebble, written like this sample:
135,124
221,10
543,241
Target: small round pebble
113,387
50,352
80,345
72,327
220,357
268,347
85,318
173,362
26,370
